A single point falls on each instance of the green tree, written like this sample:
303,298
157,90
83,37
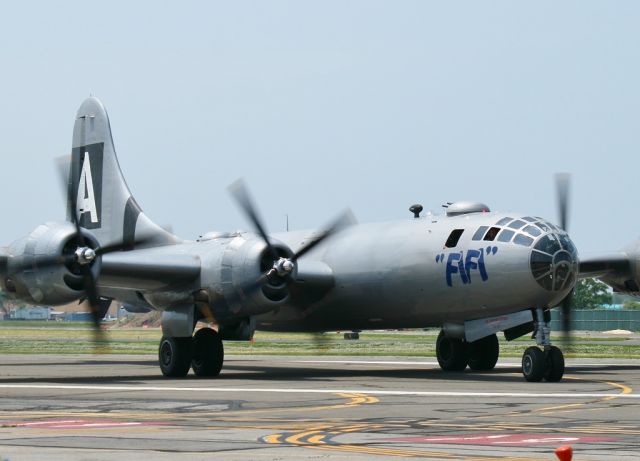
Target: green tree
591,294
630,304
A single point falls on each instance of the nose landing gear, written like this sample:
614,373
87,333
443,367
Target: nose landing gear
548,362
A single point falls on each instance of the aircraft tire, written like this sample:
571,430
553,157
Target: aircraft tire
555,365
451,353
534,364
174,355
208,353
483,353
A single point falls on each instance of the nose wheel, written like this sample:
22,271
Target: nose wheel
542,363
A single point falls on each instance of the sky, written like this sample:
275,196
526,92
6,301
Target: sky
322,105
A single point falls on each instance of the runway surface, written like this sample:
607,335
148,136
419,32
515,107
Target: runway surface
289,408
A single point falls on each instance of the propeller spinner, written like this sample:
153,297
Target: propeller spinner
281,269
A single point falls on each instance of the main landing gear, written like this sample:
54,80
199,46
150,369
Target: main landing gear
455,354
203,352
548,362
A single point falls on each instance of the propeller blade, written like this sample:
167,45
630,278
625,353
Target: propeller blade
563,181
63,165
566,307
240,193
91,290
345,219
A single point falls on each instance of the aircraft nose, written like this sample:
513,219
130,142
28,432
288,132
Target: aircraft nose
554,261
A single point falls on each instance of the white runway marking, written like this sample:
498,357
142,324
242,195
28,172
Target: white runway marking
516,395
434,363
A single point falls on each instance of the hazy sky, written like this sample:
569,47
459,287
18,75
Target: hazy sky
323,105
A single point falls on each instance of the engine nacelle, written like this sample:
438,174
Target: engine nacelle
51,283
231,272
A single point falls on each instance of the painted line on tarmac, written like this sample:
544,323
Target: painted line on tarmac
523,395
390,362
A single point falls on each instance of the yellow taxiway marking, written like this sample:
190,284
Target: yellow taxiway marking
316,439
625,390
353,400
321,439
275,438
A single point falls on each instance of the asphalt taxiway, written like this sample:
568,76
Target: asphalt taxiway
103,407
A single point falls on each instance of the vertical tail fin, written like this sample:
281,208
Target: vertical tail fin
104,203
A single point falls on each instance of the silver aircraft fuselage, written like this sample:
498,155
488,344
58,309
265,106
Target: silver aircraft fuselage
398,274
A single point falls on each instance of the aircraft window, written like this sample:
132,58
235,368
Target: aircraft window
480,232
503,221
517,224
505,235
529,219
567,244
454,236
491,234
546,281
523,240
548,244
543,226
531,230
541,264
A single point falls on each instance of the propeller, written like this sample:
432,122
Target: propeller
81,259
283,267
563,183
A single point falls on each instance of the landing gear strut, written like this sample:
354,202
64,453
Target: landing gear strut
548,362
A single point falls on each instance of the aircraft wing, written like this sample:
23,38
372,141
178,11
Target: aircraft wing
131,270
605,264
615,269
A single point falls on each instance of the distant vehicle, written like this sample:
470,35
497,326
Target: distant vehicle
472,272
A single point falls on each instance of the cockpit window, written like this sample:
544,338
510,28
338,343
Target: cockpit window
548,244
523,240
491,234
529,219
553,226
505,235
454,236
503,221
480,233
532,230
567,244
543,226
517,224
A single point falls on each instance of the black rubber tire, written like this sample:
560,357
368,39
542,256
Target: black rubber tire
555,365
451,353
484,353
174,355
534,364
208,353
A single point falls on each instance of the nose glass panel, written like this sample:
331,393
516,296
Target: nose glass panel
554,261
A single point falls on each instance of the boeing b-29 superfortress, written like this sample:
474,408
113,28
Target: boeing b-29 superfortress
472,272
